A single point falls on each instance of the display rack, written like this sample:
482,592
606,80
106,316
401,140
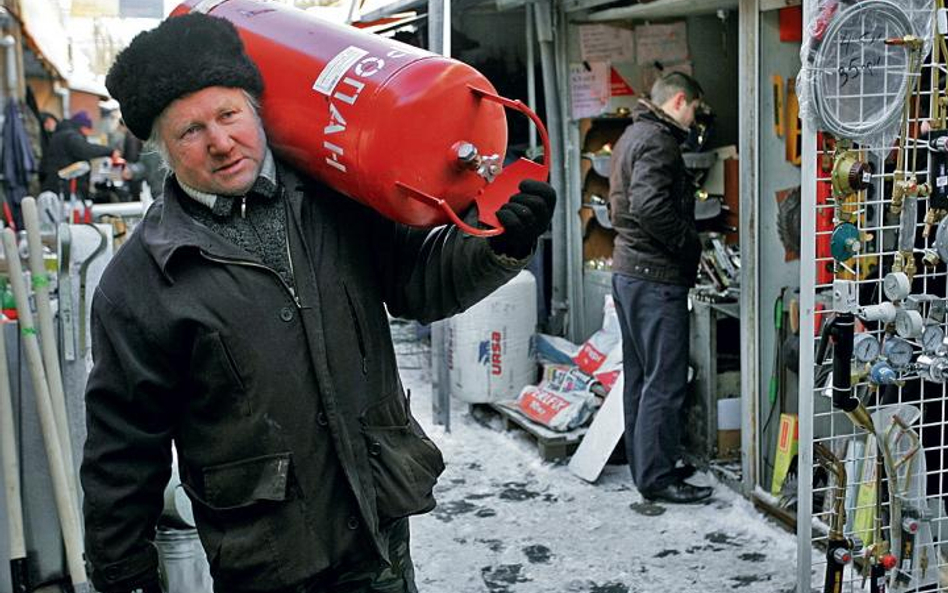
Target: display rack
873,471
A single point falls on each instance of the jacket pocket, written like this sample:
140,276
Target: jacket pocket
357,323
253,522
216,378
243,483
405,463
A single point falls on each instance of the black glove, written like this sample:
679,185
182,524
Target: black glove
524,217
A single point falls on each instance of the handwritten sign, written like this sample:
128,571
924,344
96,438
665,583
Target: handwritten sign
861,54
661,43
588,88
605,43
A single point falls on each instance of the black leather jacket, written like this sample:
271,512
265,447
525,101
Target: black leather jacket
652,202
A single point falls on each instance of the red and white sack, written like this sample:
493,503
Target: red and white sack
557,410
610,369
594,351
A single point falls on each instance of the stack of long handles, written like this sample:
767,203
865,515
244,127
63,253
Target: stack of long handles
47,387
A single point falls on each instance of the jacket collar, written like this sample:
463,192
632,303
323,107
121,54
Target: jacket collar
265,186
168,228
650,111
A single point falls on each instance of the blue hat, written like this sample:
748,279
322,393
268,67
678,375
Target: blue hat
82,118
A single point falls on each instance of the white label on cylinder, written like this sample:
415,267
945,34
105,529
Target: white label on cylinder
942,21
866,177
942,181
336,68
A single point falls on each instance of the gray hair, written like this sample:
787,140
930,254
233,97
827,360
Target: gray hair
157,145
670,85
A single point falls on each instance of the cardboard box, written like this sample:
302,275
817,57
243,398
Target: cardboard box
729,444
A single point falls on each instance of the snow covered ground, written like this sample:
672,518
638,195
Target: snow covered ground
507,522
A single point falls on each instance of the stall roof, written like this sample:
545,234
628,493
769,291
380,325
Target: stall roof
393,8
420,6
45,33
660,9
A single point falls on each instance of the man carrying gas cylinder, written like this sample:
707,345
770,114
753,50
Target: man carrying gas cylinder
245,320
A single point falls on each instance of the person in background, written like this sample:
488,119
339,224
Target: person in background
68,145
246,320
142,166
48,123
655,263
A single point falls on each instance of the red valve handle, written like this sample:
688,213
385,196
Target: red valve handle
496,194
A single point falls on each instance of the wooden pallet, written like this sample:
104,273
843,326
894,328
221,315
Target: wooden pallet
552,445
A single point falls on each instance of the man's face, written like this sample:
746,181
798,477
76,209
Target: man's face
681,109
215,142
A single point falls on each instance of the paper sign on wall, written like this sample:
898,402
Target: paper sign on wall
605,43
589,88
661,43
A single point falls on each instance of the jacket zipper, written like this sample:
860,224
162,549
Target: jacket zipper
250,264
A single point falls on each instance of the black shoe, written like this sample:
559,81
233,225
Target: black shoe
678,492
685,471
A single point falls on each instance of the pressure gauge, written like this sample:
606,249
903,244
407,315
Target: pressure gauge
932,338
933,369
909,324
898,352
884,312
896,286
866,347
882,373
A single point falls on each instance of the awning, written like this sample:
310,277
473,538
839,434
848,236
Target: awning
392,8
45,34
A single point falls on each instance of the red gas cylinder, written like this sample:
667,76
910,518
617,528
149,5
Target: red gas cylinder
412,134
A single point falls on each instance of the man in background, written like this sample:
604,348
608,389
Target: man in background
655,263
68,145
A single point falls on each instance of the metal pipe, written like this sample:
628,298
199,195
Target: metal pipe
120,209
562,262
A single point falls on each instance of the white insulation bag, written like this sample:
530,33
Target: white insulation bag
491,354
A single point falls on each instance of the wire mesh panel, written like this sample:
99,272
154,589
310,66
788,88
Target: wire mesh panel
874,366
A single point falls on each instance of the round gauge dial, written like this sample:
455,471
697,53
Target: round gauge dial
896,286
866,347
932,338
909,324
898,352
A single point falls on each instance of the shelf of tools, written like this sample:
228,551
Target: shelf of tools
872,397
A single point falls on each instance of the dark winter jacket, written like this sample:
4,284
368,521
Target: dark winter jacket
295,439
652,202
66,146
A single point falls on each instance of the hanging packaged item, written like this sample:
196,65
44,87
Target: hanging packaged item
858,62
491,353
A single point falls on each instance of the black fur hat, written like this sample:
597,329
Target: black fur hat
184,54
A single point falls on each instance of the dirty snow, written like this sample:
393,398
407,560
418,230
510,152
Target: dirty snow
507,522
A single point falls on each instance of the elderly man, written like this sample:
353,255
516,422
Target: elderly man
245,320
